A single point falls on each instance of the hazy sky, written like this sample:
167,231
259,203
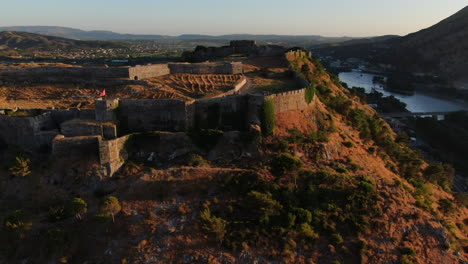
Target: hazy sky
215,17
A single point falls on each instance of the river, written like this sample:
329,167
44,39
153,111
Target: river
414,103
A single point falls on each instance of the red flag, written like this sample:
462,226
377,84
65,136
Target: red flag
103,93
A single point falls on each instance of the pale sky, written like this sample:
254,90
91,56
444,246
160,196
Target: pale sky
354,18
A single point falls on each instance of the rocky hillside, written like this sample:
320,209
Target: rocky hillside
31,41
329,184
442,48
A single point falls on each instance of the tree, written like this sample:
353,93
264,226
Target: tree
21,167
213,225
17,223
284,162
111,206
77,207
263,205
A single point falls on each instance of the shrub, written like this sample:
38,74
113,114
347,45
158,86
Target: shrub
302,215
284,162
348,144
21,167
408,251
336,239
446,206
196,160
111,206
309,94
213,225
307,231
17,223
441,174
267,118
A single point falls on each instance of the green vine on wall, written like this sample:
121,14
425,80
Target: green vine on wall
267,118
309,93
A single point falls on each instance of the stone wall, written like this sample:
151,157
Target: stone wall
151,115
100,75
67,73
76,147
293,100
112,154
23,131
148,71
206,68
105,110
81,127
226,113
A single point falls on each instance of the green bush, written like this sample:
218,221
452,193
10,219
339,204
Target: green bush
307,231
196,160
111,206
21,167
441,174
336,239
285,162
447,206
267,118
302,215
309,94
348,144
408,251
215,226
77,207
17,223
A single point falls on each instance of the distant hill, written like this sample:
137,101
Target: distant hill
27,41
440,49
78,34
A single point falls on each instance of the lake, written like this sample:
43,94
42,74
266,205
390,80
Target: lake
414,103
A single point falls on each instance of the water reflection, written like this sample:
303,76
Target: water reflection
415,103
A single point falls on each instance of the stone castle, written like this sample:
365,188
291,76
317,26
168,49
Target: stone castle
104,132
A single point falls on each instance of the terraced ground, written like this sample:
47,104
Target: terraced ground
185,86
177,86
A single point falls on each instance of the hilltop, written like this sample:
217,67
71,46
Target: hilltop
37,42
321,179
440,49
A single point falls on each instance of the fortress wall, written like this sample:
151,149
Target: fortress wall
206,68
152,115
22,131
79,127
105,110
293,100
112,154
68,72
226,113
148,71
295,55
76,147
